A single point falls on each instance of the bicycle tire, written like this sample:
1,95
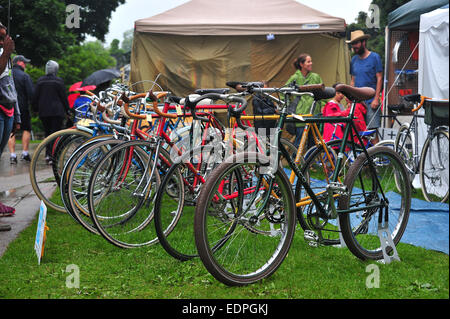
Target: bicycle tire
76,178
176,199
174,228
118,210
263,250
434,167
360,229
43,179
405,146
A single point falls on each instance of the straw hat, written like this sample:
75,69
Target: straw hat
357,36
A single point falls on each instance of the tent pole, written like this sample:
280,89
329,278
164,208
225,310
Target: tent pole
386,73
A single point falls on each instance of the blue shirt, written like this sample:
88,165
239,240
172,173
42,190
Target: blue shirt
365,70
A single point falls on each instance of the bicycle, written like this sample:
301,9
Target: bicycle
432,164
127,225
45,175
177,196
244,237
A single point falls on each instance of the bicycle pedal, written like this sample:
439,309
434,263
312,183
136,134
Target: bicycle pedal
337,188
312,238
313,244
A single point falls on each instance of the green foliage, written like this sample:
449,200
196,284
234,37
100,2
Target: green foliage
37,28
127,41
81,60
35,72
78,63
118,54
95,17
110,272
39,31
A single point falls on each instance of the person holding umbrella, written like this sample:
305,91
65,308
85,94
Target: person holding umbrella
50,100
101,79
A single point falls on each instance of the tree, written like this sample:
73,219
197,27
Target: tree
95,17
118,54
39,26
127,41
82,60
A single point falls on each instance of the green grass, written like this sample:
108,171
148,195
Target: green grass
110,272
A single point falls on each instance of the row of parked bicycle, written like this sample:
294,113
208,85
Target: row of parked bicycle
146,168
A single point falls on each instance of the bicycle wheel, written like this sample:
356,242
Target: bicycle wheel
243,232
177,197
434,167
76,175
45,176
365,186
404,145
120,205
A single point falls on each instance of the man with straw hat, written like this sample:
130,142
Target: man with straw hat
366,70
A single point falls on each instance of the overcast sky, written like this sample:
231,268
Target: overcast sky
125,15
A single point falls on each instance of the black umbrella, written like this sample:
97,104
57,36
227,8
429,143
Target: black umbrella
101,76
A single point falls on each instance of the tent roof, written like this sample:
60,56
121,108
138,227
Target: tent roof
237,17
407,17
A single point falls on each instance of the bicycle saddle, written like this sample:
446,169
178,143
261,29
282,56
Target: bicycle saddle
396,107
175,99
413,98
354,93
326,93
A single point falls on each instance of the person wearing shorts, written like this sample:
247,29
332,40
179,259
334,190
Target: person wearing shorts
366,70
24,88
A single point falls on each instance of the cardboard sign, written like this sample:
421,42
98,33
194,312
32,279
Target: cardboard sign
41,232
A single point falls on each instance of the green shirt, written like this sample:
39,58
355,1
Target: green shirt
304,105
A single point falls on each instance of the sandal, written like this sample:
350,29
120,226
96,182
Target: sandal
6,210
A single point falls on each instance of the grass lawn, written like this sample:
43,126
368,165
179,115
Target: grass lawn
110,272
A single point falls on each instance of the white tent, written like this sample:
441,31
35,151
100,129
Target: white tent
433,57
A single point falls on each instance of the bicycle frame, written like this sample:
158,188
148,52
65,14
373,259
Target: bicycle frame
350,128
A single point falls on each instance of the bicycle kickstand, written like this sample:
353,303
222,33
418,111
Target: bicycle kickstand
386,242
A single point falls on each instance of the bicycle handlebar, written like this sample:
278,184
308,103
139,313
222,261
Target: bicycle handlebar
126,103
155,104
422,100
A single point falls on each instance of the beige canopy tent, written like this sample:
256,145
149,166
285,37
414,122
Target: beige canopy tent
205,43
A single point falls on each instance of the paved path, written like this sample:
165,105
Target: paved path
16,191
